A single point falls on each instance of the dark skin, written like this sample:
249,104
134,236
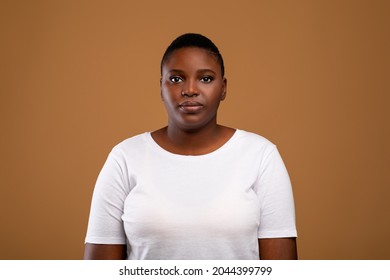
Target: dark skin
104,252
192,86
278,249
269,249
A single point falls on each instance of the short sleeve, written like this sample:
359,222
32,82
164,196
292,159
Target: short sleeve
105,224
274,190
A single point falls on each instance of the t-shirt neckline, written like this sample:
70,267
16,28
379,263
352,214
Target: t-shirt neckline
160,149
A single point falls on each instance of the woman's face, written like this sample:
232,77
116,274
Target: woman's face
192,87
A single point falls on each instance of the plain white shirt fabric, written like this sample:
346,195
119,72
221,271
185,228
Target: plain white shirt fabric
213,206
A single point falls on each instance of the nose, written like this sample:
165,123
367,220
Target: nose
190,89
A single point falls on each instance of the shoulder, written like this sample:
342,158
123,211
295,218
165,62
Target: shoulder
135,140
131,146
252,140
251,147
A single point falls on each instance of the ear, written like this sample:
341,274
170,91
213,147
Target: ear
224,86
161,96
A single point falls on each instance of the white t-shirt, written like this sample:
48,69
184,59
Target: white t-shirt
213,206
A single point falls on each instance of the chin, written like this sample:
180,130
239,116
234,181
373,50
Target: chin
191,127
194,126
192,122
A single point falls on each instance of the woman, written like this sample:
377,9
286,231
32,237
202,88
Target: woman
193,189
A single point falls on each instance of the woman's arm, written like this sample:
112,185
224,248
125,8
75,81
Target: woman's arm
104,252
278,249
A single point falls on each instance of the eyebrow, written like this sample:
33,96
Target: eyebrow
198,71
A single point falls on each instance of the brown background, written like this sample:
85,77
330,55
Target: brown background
77,77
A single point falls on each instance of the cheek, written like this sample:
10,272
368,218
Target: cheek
169,91
168,99
217,102
216,98
165,95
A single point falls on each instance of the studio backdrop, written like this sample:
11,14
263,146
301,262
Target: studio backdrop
78,77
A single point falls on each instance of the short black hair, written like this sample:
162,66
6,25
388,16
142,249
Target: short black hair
193,40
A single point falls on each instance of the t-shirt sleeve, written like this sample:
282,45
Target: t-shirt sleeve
277,212
105,224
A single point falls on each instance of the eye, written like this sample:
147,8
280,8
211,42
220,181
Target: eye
175,79
207,79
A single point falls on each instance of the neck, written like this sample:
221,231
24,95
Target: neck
192,139
192,142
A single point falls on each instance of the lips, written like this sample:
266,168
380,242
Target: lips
190,107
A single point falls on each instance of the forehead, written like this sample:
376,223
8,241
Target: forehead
191,58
